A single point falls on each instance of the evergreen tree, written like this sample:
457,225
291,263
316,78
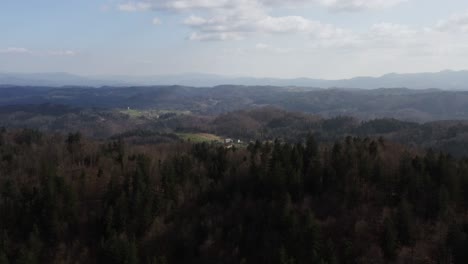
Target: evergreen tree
389,239
3,258
406,225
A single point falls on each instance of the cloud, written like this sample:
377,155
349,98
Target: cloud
239,25
64,53
156,21
357,5
262,46
135,6
218,36
181,5
222,20
287,24
455,23
177,5
15,50
384,30
195,4
231,20
190,5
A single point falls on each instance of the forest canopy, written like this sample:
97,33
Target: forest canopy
69,199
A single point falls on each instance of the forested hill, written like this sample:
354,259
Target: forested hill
65,199
412,105
263,124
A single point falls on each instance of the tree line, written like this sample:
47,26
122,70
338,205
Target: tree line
67,199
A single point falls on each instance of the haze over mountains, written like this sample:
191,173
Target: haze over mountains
446,80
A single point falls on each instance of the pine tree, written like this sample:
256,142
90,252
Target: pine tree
284,258
389,239
443,202
406,223
3,258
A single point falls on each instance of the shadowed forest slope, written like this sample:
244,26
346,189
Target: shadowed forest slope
65,199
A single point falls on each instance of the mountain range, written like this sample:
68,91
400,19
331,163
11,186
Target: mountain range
446,80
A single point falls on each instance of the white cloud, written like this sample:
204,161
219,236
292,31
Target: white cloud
235,19
356,5
195,4
262,46
383,30
455,23
64,53
190,5
239,25
177,5
195,21
15,50
181,5
286,24
135,6
218,36
156,21
228,20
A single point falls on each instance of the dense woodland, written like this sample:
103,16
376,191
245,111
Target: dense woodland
262,123
409,105
69,199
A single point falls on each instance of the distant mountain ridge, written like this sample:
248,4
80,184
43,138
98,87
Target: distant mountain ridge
446,80
56,79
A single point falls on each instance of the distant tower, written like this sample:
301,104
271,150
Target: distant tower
128,108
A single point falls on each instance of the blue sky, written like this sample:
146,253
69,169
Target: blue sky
262,38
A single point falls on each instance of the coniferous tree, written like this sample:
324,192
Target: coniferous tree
389,239
406,224
3,258
457,241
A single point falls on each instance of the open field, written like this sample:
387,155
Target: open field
199,137
151,113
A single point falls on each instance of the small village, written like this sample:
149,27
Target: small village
229,143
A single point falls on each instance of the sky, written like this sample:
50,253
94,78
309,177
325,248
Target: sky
330,39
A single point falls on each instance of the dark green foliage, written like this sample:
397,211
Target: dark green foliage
3,258
119,250
30,252
73,141
383,126
28,137
2,137
389,239
359,200
457,241
406,223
